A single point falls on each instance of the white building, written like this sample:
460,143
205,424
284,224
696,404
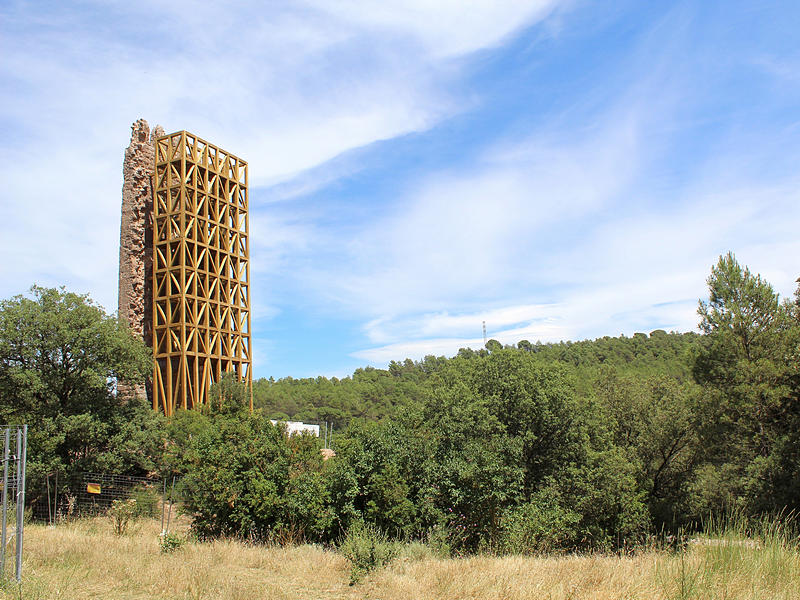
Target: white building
298,427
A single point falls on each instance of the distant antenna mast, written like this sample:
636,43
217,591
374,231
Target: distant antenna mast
484,334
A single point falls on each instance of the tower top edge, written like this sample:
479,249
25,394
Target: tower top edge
141,132
197,139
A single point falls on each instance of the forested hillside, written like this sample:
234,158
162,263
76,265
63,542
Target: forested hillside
373,394
537,447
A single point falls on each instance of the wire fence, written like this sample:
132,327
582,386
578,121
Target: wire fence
91,494
94,494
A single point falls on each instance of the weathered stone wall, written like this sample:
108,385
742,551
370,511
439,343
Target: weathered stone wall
136,238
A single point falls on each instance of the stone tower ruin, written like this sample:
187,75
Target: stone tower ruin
184,264
136,240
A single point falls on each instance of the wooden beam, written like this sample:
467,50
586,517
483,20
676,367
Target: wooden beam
200,233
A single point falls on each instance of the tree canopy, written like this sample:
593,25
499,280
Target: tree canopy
60,358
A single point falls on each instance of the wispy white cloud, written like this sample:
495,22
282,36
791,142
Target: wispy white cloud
443,28
638,273
275,239
464,232
444,323
286,86
579,227
600,215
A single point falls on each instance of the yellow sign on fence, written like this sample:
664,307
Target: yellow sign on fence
93,488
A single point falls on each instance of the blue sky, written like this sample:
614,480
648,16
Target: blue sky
558,169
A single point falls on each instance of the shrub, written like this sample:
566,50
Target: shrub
236,482
537,527
247,479
122,513
417,551
439,542
366,548
169,542
605,494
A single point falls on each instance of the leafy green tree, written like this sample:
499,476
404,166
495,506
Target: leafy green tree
653,421
603,491
743,314
377,476
61,354
238,481
536,405
493,346
247,478
475,470
228,396
60,358
180,431
748,367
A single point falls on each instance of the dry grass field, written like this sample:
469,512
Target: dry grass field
85,559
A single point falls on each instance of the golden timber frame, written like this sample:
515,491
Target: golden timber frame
201,271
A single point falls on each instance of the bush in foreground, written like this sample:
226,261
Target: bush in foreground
248,480
366,548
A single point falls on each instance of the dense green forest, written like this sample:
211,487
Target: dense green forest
526,448
374,394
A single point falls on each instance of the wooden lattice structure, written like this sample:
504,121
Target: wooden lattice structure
201,271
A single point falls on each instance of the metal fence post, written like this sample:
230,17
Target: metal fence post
171,491
49,507
22,450
163,504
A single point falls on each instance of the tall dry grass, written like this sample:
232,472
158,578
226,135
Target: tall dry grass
86,559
